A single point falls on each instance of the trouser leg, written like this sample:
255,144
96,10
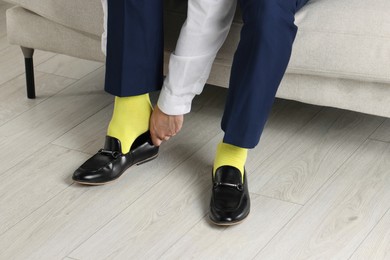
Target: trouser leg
259,64
134,58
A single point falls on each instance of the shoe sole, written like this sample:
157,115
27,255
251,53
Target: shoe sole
225,224
108,182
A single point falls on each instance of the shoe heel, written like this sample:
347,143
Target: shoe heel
147,160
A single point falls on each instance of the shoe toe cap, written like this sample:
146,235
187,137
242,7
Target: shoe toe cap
229,215
83,175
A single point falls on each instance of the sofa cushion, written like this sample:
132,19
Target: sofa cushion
85,16
25,28
344,39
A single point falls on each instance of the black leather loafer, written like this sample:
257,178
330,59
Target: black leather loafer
109,163
230,202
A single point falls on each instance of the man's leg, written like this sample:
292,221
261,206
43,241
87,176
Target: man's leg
258,68
134,62
134,65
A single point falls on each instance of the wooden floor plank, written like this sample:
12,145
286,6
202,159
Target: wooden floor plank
44,123
383,132
377,244
303,164
285,120
34,181
13,100
66,66
334,223
12,62
89,136
207,241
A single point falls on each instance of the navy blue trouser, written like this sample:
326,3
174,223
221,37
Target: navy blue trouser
135,59
135,47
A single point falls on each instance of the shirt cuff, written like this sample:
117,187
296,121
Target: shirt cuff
174,105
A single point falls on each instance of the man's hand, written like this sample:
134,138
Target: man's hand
163,126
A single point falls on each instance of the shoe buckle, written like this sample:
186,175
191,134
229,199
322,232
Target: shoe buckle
239,187
114,154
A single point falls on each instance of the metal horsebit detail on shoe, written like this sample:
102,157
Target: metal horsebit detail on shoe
236,186
114,154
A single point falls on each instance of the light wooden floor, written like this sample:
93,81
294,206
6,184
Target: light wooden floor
319,179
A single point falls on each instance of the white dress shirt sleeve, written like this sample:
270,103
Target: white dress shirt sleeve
202,35
104,35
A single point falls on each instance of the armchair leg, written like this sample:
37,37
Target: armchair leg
29,66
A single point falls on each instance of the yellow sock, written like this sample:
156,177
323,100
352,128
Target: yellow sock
231,155
130,119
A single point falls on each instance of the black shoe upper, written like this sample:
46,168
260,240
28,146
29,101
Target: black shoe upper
230,202
109,163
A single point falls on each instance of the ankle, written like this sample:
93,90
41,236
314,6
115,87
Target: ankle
230,155
130,119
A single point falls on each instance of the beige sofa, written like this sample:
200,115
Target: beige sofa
341,56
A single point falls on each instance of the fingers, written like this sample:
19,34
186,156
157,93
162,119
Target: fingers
156,141
157,138
163,127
